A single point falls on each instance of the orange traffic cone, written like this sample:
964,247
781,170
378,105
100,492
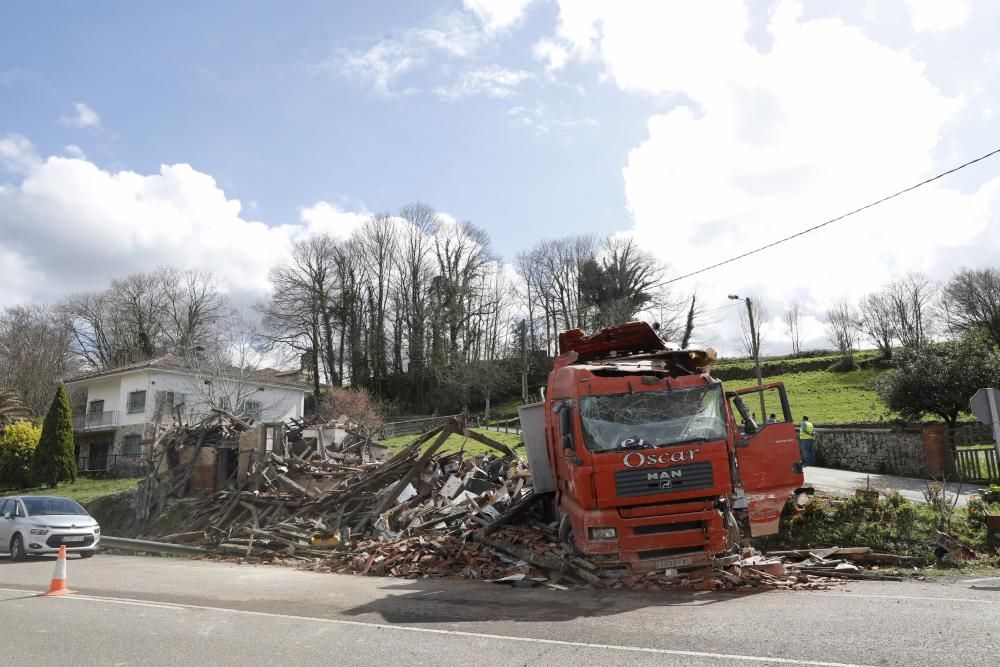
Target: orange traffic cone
58,585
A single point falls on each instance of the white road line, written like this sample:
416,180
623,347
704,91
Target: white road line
906,597
976,581
457,633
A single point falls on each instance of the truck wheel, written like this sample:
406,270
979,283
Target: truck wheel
566,533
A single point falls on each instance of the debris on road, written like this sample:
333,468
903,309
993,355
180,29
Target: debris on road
320,497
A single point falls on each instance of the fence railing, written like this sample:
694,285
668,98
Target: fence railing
975,463
121,465
95,420
413,426
512,425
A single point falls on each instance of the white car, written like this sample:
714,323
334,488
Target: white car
31,525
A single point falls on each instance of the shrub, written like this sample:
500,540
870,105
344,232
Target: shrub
356,404
17,450
54,461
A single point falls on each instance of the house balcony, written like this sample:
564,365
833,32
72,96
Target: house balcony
96,421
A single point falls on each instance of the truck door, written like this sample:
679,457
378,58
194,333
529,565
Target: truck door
767,456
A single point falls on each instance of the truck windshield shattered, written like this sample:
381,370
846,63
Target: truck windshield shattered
652,418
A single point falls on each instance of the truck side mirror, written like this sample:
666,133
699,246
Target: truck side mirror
8,515
566,426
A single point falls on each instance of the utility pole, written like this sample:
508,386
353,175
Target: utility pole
755,348
524,363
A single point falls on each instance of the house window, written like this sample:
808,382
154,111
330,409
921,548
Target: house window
96,407
137,401
131,445
170,399
252,410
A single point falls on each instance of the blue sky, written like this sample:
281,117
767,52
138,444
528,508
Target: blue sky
239,90
215,134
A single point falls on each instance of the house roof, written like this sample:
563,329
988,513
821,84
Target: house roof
170,362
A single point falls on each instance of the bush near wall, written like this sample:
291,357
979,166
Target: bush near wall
17,450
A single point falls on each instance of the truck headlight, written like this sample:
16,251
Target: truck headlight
39,531
603,533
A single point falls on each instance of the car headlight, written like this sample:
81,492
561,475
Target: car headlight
39,531
603,533
97,530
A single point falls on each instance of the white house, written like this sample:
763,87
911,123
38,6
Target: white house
123,403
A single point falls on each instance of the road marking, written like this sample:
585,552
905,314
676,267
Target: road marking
907,597
457,633
976,581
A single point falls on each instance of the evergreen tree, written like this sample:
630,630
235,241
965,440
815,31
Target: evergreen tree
54,460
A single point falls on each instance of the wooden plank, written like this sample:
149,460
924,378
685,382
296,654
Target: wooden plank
489,442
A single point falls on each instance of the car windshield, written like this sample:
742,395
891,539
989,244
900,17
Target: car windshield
652,418
42,506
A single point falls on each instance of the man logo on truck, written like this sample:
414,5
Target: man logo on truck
663,475
636,459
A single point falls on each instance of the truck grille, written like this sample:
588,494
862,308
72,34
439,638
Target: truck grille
649,481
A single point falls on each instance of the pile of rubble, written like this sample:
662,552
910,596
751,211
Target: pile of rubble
296,507
323,500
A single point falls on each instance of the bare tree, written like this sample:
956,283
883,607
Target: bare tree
226,374
913,298
298,317
878,321
194,306
415,272
378,242
792,320
971,301
842,330
753,336
34,354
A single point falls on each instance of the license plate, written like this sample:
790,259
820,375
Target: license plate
74,538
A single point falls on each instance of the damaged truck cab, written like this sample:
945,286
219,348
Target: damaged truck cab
647,463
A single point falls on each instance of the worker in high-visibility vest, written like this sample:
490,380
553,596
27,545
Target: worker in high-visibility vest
806,440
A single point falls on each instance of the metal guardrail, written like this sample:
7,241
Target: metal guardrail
95,420
148,546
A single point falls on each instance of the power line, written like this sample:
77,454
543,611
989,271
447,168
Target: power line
833,220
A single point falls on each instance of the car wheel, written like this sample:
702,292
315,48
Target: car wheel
88,554
17,552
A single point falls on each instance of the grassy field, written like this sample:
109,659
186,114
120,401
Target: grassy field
825,396
457,442
83,490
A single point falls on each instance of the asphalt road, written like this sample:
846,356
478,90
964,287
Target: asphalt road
134,610
844,482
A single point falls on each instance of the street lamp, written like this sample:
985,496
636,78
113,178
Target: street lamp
754,348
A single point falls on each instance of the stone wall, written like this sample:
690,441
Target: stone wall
885,451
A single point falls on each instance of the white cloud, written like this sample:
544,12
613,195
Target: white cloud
75,151
497,14
381,66
937,15
492,81
70,225
455,35
84,117
325,218
552,54
771,143
17,153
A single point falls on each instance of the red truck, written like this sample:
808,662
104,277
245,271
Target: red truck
651,462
